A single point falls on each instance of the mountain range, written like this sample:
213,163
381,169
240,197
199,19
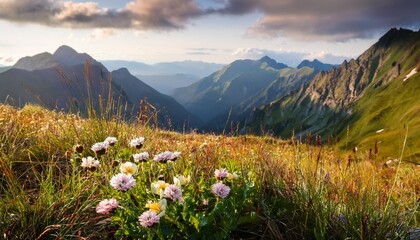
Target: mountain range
68,80
369,102
196,68
366,101
165,77
230,94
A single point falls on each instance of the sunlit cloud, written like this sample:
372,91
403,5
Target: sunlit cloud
330,20
101,33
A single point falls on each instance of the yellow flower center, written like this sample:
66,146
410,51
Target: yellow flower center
129,170
155,207
162,185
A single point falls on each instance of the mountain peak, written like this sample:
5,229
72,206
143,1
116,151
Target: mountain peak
38,61
392,35
267,59
68,56
272,63
65,50
315,64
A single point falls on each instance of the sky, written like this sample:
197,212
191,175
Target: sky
219,31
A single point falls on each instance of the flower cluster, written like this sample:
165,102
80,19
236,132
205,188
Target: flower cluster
219,189
166,156
163,196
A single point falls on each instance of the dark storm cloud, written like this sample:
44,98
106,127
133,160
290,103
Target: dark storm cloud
235,7
336,20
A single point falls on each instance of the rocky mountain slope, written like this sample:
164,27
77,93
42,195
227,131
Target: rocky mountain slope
355,99
227,97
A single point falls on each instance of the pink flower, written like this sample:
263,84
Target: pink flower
174,192
163,157
148,218
221,173
123,182
106,206
220,190
141,157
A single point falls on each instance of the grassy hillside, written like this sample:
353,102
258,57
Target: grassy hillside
277,189
388,118
354,100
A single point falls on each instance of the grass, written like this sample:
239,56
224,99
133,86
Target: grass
394,109
298,191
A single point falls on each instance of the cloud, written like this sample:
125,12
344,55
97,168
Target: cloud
100,33
6,60
290,58
138,14
236,7
164,14
205,51
332,20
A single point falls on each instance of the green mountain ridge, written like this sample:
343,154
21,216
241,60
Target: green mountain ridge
229,95
363,95
286,81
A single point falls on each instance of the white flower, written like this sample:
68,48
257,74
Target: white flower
111,140
158,187
141,157
181,180
100,147
90,163
137,142
157,207
232,176
128,168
